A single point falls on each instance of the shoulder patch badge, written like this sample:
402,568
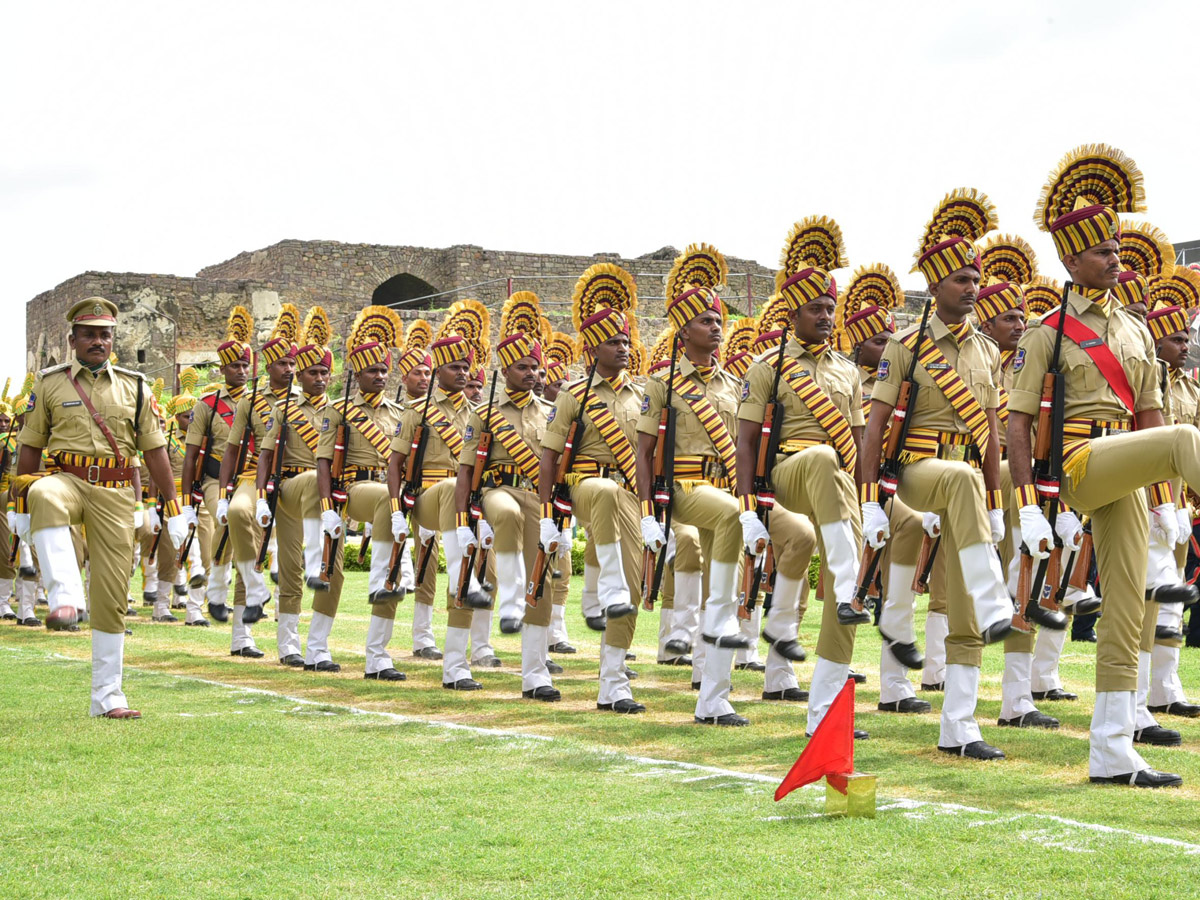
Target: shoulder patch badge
325,424
32,402
745,388
469,433
881,373
550,415
645,405
1019,360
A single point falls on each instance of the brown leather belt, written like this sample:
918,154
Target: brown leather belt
104,476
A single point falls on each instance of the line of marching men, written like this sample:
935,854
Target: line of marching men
902,458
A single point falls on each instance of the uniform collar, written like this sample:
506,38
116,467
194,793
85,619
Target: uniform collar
797,348
457,400
940,330
1080,303
77,367
519,399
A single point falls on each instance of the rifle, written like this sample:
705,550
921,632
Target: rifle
925,560
768,448
560,497
663,489
243,450
337,472
889,469
197,488
1047,476
276,479
158,509
408,495
483,454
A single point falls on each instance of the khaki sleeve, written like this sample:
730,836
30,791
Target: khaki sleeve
198,427
893,366
1149,392
566,407
36,430
330,420
756,392
1033,359
241,418
471,440
857,419
652,403
149,428
402,440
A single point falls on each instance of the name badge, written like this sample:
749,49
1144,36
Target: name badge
74,403
937,367
1094,342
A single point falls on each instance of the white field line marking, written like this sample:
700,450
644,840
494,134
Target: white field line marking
898,803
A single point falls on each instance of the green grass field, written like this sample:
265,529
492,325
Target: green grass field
246,779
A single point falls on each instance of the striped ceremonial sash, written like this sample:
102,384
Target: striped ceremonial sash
828,416
364,425
1002,409
450,435
707,414
516,446
303,427
954,389
610,432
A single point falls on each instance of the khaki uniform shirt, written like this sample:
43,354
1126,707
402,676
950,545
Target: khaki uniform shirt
529,422
258,422
437,452
625,406
1087,394
977,362
836,376
201,413
59,422
359,451
296,453
866,378
1185,399
691,437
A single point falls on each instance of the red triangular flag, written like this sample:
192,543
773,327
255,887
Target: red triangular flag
830,751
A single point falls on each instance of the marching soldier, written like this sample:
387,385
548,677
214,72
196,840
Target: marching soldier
8,461
443,417
362,423
94,454
253,418
297,513
415,368
1169,328
1111,386
515,422
952,439
207,435
602,475
820,405
561,353
867,322
194,578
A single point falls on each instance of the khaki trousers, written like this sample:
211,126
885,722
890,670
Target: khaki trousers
367,501
213,493
953,490
435,510
1111,490
107,513
7,571
298,500
712,510
611,514
428,585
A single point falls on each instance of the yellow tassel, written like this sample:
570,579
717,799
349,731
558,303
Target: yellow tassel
1075,470
573,478
912,456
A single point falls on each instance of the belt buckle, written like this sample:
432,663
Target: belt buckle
955,452
93,474
526,483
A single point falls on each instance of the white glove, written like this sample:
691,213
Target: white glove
487,537
466,537
996,520
153,521
366,529
1067,527
399,526
547,533
564,545
1034,530
177,529
18,524
1184,519
876,527
331,522
753,531
222,511
425,534
189,513
932,523
652,534
1164,527
262,512
139,518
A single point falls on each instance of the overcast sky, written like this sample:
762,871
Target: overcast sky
163,137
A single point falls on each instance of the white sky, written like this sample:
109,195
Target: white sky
146,137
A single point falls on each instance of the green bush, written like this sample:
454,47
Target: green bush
350,558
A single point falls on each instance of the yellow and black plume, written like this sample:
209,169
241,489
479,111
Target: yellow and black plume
316,331
379,324
240,325
603,286
521,314
287,324
420,335
700,265
1181,287
1091,175
813,242
965,213
1007,257
739,337
1146,249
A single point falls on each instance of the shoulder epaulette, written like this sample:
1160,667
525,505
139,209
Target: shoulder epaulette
130,372
61,367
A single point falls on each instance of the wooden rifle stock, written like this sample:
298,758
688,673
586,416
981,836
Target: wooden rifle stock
1077,578
393,578
925,560
1053,577
1024,588
891,450
868,566
362,548
749,586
